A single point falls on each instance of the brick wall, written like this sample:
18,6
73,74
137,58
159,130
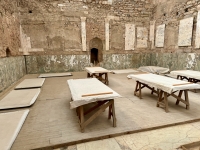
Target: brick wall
9,28
171,15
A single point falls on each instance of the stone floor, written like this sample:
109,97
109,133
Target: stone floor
51,123
169,138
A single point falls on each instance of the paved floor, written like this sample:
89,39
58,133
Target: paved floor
51,122
169,138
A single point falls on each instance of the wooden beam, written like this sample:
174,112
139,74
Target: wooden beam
94,94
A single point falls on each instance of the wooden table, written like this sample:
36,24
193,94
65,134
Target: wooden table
190,75
99,73
91,90
163,87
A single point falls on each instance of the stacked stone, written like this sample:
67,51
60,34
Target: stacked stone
9,28
134,8
178,12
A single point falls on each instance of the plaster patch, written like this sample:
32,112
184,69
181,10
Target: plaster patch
191,60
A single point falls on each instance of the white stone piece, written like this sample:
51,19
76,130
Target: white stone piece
142,37
123,71
19,98
110,2
197,38
10,125
49,75
160,35
83,33
191,60
185,32
96,70
154,69
151,34
30,83
162,82
79,87
107,33
129,36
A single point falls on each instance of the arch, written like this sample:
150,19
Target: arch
96,50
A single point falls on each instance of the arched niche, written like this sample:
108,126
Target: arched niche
96,50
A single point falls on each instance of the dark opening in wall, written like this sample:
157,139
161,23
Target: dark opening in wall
8,53
30,11
94,56
186,9
164,14
177,13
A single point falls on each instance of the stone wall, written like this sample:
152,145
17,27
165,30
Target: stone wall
70,63
55,27
9,28
63,63
176,61
11,70
171,15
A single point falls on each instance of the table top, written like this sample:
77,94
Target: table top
187,73
96,70
90,86
164,83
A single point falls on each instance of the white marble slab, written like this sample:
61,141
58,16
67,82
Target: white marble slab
107,33
30,83
151,33
197,38
123,71
19,98
160,35
142,37
10,125
49,75
80,87
83,33
154,69
129,36
185,32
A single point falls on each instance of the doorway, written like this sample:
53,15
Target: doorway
94,56
96,51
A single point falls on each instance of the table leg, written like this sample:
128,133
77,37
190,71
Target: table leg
88,75
113,114
159,98
166,102
110,112
163,100
186,99
152,91
140,91
81,111
179,95
106,78
136,88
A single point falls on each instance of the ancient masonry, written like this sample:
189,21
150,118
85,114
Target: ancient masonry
67,35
